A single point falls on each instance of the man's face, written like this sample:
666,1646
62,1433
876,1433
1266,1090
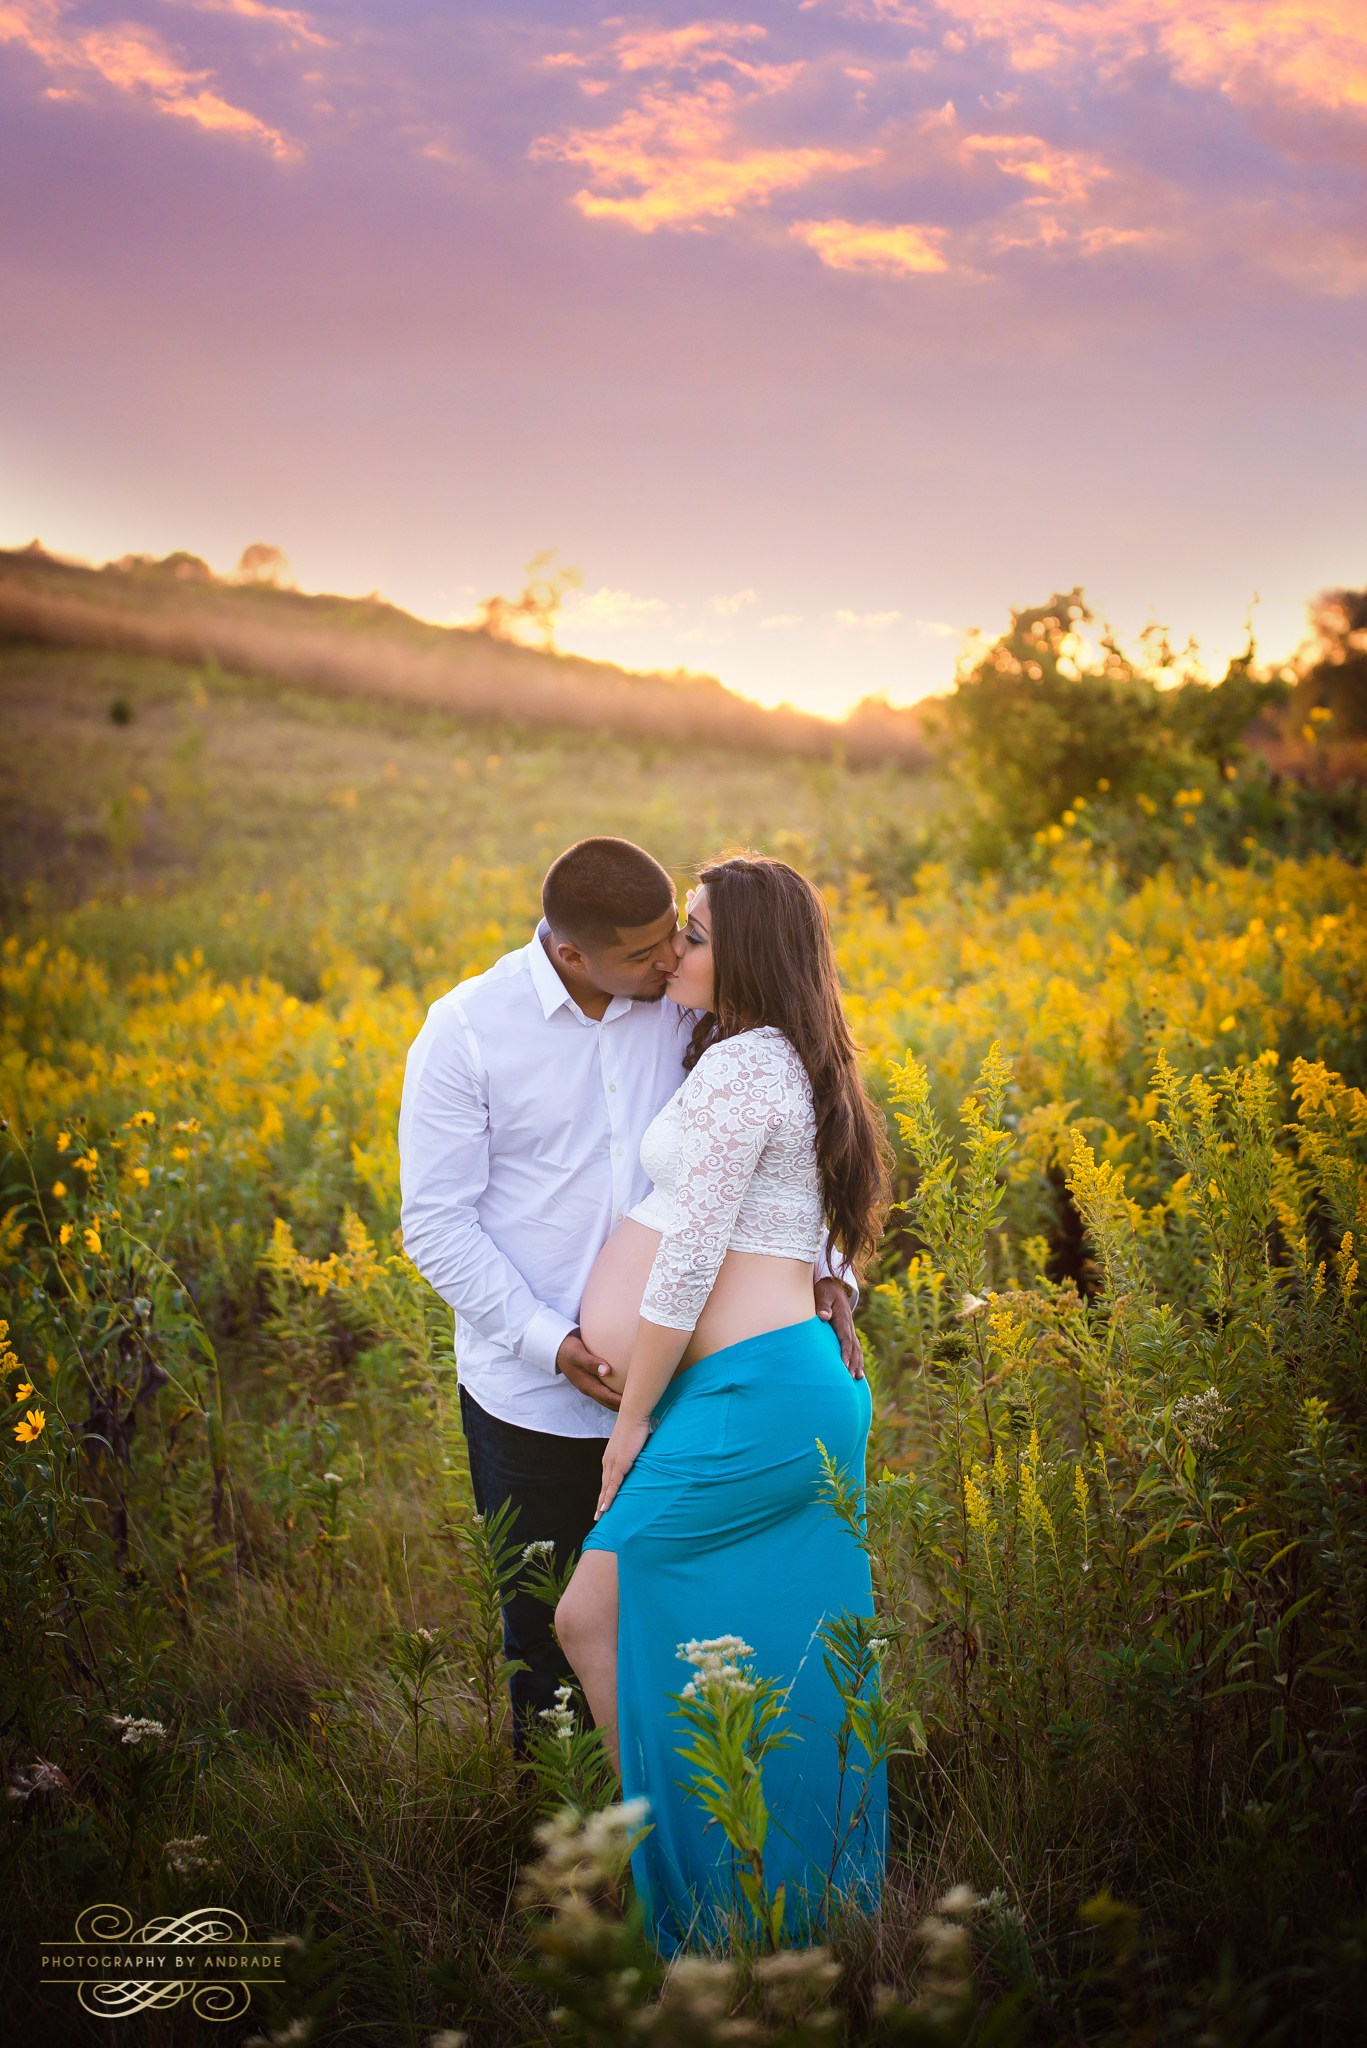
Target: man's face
637,965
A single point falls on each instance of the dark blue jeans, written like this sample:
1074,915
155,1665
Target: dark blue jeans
554,1483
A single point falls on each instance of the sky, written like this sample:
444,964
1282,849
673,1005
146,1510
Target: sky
813,334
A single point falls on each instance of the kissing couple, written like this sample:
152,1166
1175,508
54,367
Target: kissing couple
639,1163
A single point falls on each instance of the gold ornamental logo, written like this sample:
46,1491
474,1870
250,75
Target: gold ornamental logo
203,1955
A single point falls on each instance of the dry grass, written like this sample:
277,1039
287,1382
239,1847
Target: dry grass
369,649
264,786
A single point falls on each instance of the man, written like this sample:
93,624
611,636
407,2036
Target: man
526,1096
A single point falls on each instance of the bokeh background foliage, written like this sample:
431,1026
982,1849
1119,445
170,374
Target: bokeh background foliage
1116,1505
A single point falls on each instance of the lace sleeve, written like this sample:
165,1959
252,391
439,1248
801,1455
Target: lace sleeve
735,1096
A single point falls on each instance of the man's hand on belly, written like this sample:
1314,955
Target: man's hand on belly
585,1370
833,1307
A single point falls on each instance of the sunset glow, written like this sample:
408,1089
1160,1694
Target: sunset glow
868,311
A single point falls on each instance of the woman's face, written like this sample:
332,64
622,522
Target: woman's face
691,983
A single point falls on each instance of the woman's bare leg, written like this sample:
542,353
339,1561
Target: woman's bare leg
586,1623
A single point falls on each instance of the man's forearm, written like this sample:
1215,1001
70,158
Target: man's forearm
480,1283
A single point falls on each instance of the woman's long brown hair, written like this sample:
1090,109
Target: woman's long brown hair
773,963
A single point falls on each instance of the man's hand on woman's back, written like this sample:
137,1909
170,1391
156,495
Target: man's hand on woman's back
584,1369
833,1307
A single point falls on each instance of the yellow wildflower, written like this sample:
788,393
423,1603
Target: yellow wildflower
23,1390
1033,1507
92,1239
64,1234
1081,1503
143,1116
59,1190
89,1162
181,1152
31,1428
141,1176
979,1514
63,1140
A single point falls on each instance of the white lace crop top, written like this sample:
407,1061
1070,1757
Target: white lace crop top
733,1158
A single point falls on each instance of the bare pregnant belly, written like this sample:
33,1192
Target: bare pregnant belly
611,1307
752,1295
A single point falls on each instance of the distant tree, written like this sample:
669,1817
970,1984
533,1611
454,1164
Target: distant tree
1333,665
1032,729
530,618
186,568
262,563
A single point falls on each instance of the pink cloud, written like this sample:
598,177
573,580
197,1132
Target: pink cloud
677,159
904,251
679,155
1312,51
134,60
297,27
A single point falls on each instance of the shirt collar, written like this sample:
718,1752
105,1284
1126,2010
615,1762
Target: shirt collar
549,987
552,991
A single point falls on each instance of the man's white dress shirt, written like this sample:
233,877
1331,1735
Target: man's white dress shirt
520,1152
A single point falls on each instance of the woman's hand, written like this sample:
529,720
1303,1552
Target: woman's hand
620,1453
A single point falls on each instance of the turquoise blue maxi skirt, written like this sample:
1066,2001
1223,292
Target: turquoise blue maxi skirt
720,1529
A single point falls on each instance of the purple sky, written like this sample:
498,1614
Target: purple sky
813,333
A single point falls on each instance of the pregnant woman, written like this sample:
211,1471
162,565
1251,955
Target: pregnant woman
713,1525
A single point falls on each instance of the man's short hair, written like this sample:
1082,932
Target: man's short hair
601,886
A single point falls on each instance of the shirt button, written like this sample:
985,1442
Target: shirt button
619,1216
612,1087
619,1151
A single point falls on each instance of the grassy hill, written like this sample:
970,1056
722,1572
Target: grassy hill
204,786
175,609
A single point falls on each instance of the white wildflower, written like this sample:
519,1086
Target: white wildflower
427,1635
560,1716
136,1730
333,1479
947,1945
38,1777
963,1899
582,1854
795,1977
187,1858
297,2034
877,1645
1198,1417
721,1677
698,1988
543,1547
449,2037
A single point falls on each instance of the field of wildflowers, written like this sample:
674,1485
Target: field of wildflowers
1116,1508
